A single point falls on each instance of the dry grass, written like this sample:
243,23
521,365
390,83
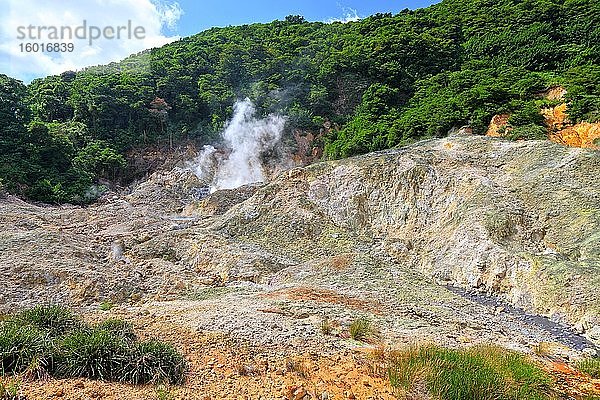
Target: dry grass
326,327
543,349
299,366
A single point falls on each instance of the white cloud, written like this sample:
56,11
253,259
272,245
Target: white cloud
349,15
170,14
154,16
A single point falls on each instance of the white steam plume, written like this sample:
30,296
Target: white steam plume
245,138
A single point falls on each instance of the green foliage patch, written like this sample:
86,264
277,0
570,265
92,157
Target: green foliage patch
386,80
361,329
590,366
20,346
483,373
53,339
53,320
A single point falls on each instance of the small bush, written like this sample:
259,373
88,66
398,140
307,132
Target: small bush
55,320
326,327
94,353
483,373
525,113
153,361
20,346
360,329
590,366
106,305
528,132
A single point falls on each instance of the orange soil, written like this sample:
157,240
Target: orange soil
496,124
327,296
221,369
572,382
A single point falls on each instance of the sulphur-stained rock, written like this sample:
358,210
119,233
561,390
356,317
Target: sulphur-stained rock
556,117
498,126
584,134
562,131
554,93
372,235
515,218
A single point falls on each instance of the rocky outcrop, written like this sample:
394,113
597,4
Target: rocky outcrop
517,219
520,219
498,126
583,134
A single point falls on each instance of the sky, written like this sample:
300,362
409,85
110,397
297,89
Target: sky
46,37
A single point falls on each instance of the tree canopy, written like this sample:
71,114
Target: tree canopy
386,80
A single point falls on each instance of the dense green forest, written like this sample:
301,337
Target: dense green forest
386,80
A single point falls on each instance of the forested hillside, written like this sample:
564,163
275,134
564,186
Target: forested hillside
386,80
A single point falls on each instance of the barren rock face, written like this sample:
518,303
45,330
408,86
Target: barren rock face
521,219
517,219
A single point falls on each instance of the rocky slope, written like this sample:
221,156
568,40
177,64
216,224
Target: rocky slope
378,236
517,219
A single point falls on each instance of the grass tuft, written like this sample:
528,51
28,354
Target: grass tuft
590,366
53,341
483,373
21,346
299,366
55,320
153,361
163,392
106,305
361,329
9,389
120,328
93,353
326,327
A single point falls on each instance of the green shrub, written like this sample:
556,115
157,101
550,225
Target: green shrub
20,346
106,305
528,132
360,329
163,393
153,361
55,320
590,366
118,327
525,113
53,340
483,373
94,353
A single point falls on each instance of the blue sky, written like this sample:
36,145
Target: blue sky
163,21
200,15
